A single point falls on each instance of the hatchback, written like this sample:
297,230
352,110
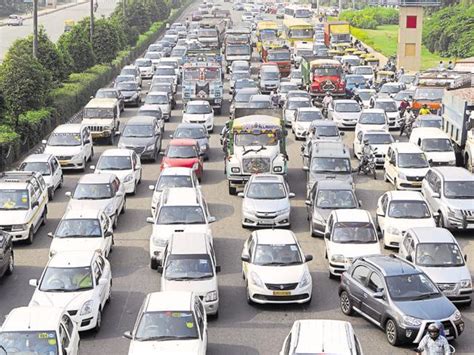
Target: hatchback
186,153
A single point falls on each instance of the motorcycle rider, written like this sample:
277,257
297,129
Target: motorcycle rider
403,106
407,122
357,98
433,343
367,152
327,101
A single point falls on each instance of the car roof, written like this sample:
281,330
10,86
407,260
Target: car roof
101,178
334,185
432,235
180,196
317,123
116,152
72,258
351,215
373,110
38,157
454,173
260,97
176,171
68,128
330,149
429,132
375,131
345,101
253,91
406,147
307,109
182,141
405,195
190,125
168,301
384,99
267,178
297,98
82,214
141,120
198,102
391,265
274,236
33,318
189,243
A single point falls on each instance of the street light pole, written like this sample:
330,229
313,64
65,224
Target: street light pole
92,20
35,28
123,8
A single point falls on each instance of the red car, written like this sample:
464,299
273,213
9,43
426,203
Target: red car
184,153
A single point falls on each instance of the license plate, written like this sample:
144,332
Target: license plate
265,222
446,332
281,293
62,162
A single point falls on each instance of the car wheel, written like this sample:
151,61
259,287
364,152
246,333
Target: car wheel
31,236
331,275
92,154
391,331
51,193
124,207
44,216
99,320
346,303
11,265
61,182
153,264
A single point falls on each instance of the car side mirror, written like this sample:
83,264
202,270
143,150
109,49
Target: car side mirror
127,334
305,168
44,141
212,219
241,194
151,187
360,203
33,282
308,258
378,295
87,141
245,258
34,204
327,235
159,268
465,257
291,195
409,258
218,268
435,195
92,167
171,136
51,235
68,194
119,193
150,220
108,234
380,214
307,202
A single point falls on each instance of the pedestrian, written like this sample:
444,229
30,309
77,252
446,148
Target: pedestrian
441,65
450,65
433,343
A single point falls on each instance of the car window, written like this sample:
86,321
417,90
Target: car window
97,272
361,274
64,337
384,203
67,322
251,245
286,350
375,283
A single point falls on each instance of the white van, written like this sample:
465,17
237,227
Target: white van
436,145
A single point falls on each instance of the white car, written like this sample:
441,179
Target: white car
83,230
345,113
379,140
199,111
99,192
398,211
365,70
125,164
168,323
405,166
39,330
80,282
266,201
146,67
180,209
157,99
390,107
275,269
349,233
71,144
169,178
372,119
48,166
15,20
290,107
190,265
366,95
304,117
436,144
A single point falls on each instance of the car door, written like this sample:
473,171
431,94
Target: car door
106,225
73,334
328,234
86,142
382,211
248,251
36,207
391,163
56,172
431,184
360,276
100,288
311,201
158,135
202,325
373,305
358,143
64,339
137,166
119,197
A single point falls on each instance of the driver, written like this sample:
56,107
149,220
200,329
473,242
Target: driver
82,279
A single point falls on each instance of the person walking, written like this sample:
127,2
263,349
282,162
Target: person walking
433,343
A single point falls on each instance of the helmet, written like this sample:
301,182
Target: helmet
328,93
366,141
425,106
433,330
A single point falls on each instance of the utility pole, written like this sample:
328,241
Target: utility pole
35,28
124,13
92,20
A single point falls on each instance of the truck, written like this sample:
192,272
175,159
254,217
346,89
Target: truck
458,123
202,79
212,31
254,144
322,75
237,47
336,32
278,53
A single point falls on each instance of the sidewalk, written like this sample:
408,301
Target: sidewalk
3,22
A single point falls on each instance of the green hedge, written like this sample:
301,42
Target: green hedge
34,125
9,146
370,17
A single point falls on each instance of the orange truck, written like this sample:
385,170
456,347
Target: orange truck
337,32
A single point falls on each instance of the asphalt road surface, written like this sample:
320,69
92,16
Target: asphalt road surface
240,329
53,23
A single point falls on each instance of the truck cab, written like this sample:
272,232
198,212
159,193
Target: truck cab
323,75
102,118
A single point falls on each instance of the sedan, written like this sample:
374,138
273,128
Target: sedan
15,20
197,132
131,92
345,113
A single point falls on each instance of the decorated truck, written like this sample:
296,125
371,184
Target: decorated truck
323,75
255,144
337,32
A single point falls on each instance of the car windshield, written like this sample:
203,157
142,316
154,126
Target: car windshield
108,162
347,107
402,95
188,267
286,88
181,215
303,13
169,181
198,109
207,33
122,78
240,75
294,104
331,71
29,342
390,89
429,94
412,160
67,279
387,106
438,255
247,139
125,86
330,165
92,192
354,232
142,63
408,209
459,189
277,255
14,200
304,52
270,75
64,139
301,33
92,112
436,145
106,94
81,228
181,151
132,130
169,325
376,138
355,80
336,199
266,191
165,71
327,131
240,84
152,113
41,167
363,71
410,287
194,132
260,102
241,49
156,99
365,95
430,123
128,71
241,96
276,56
372,118
296,74
268,35
153,55
309,116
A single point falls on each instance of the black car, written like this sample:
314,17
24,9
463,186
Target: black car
7,261
131,92
110,93
143,135
394,295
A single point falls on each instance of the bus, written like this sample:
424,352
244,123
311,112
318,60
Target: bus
298,11
267,31
296,30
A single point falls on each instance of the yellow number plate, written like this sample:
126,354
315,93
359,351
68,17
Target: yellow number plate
281,293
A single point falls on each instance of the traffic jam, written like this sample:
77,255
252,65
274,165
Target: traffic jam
266,122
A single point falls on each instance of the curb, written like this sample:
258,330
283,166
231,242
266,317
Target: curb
50,11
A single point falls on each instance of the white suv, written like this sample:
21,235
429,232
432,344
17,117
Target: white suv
23,204
80,282
180,209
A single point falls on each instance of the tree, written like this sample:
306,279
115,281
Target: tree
163,10
106,41
24,82
75,45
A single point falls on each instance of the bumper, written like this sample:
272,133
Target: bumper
346,123
85,322
392,240
415,334
252,220
146,75
72,164
264,296
463,296
211,307
455,222
103,134
408,185
338,268
300,134
147,154
20,235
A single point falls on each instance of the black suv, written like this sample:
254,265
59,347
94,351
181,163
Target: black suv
6,252
394,295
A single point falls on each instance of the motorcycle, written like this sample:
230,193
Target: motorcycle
406,125
367,164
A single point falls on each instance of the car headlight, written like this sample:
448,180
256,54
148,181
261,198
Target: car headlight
318,218
305,280
150,147
284,210
19,227
128,178
255,279
337,258
408,321
402,176
456,316
160,242
211,296
277,169
393,230
78,156
465,283
455,212
87,308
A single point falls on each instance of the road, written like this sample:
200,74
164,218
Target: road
240,329
53,23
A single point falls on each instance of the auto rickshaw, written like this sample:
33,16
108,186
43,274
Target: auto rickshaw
372,61
68,24
341,46
334,52
384,74
349,50
359,53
